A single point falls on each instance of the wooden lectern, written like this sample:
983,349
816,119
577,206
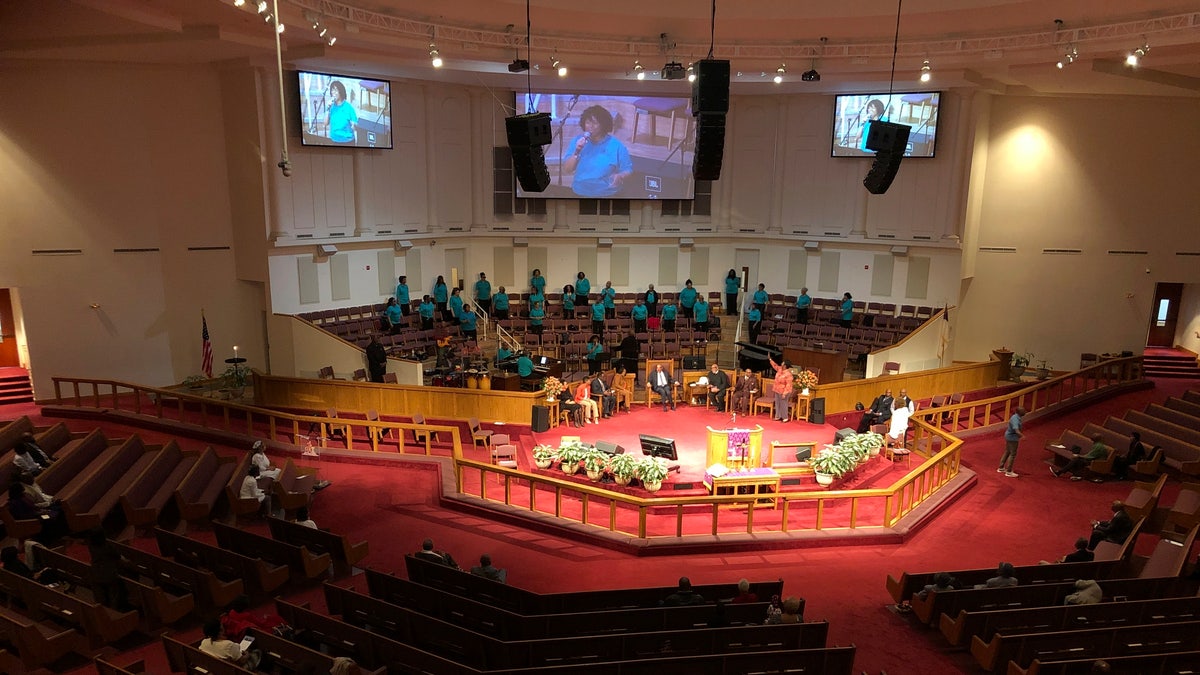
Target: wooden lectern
735,448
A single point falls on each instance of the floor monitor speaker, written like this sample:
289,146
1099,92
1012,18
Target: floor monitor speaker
816,410
540,422
843,434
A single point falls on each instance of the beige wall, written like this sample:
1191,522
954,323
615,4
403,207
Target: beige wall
98,157
1096,175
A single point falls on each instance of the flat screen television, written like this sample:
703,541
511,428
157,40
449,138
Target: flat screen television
616,147
342,111
917,109
656,446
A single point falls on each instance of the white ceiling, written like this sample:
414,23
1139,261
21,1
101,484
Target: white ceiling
1003,46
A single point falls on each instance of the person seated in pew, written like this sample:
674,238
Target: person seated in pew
1136,453
487,571
789,612
684,595
942,581
1080,554
239,618
428,553
1078,462
303,519
744,593
258,457
35,451
1087,592
251,490
216,643
10,559
1004,577
34,491
25,461
344,665
106,584
22,507
1115,529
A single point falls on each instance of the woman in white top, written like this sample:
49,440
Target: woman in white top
303,519
259,459
899,423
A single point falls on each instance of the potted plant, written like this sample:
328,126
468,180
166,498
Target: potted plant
863,445
805,382
622,467
1043,372
595,462
833,462
543,456
570,454
1019,363
194,381
651,472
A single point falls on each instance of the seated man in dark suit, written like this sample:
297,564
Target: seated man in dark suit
718,385
439,557
880,412
607,397
484,569
684,595
1116,529
661,382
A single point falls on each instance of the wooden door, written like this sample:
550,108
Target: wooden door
8,331
1164,315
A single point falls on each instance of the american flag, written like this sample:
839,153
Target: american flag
206,357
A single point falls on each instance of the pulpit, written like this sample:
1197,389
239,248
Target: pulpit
735,448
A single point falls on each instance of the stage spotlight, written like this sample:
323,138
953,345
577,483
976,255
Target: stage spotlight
780,72
925,74
1135,56
435,57
639,71
810,76
691,71
558,65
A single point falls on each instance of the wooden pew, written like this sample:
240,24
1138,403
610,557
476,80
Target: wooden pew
1143,498
72,460
1177,454
104,667
200,488
500,623
211,594
159,606
910,583
521,601
1184,514
304,565
260,576
1062,449
1142,664
985,624
185,658
344,554
369,650
289,657
37,643
99,624
930,609
1169,557
293,489
1023,648
1180,426
92,495
151,491
485,652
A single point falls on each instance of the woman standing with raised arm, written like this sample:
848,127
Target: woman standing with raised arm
782,388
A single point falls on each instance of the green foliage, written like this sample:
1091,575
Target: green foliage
838,460
1023,360
595,460
650,470
572,452
235,377
544,453
622,465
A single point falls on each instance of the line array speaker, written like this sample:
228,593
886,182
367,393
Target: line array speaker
526,136
710,146
710,90
889,141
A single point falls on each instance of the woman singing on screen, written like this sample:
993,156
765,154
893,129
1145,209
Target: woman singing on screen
343,120
600,162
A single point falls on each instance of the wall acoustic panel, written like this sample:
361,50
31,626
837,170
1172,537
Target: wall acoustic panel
882,270
310,287
587,265
668,267
797,269
339,276
918,278
699,273
831,268
538,257
618,266
502,268
417,283
385,267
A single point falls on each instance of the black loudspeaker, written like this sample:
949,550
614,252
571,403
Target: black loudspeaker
843,434
710,90
710,146
816,410
609,448
889,141
541,419
526,136
693,363
530,166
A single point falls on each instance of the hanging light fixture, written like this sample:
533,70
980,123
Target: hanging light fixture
435,57
691,72
1134,57
1069,57
780,72
558,65
925,74
638,70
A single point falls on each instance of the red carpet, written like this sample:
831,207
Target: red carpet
1020,520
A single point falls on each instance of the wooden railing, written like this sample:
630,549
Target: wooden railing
1040,397
232,417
